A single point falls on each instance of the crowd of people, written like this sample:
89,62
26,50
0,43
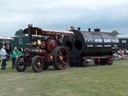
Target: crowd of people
4,54
121,54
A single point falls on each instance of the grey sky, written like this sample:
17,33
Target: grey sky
61,14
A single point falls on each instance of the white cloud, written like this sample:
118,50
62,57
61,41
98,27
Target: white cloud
17,14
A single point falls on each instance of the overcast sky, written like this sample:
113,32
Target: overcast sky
61,14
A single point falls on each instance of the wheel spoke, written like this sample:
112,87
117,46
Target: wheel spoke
20,64
60,53
38,63
63,63
61,58
65,57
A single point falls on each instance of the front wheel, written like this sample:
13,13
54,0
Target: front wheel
20,64
60,58
37,64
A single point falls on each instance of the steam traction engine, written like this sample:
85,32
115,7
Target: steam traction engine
44,49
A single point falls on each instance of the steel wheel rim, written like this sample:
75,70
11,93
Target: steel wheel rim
62,58
21,64
38,63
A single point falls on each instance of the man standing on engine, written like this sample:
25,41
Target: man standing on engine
3,57
59,41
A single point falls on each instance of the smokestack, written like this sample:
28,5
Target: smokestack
30,32
89,29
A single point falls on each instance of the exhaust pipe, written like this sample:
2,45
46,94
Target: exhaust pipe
30,33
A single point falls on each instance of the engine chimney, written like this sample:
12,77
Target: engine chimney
30,32
89,29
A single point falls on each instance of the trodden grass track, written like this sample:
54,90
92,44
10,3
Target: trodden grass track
89,81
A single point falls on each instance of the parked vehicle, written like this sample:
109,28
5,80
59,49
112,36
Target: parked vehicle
96,45
44,49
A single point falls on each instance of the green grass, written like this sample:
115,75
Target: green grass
90,81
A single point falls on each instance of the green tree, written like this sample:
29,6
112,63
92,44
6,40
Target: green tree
19,33
115,32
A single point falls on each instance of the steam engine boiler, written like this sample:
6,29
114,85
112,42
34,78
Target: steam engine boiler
96,45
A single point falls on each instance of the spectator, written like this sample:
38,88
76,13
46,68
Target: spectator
125,51
21,49
59,40
15,54
3,54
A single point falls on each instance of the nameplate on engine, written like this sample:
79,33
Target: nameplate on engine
107,45
99,46
89,45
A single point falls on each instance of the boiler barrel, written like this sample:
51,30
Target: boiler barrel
33,51
91,44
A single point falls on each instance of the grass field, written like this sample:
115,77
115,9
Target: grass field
90,81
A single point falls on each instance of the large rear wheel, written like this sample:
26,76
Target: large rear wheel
60,58
37,64
20,64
